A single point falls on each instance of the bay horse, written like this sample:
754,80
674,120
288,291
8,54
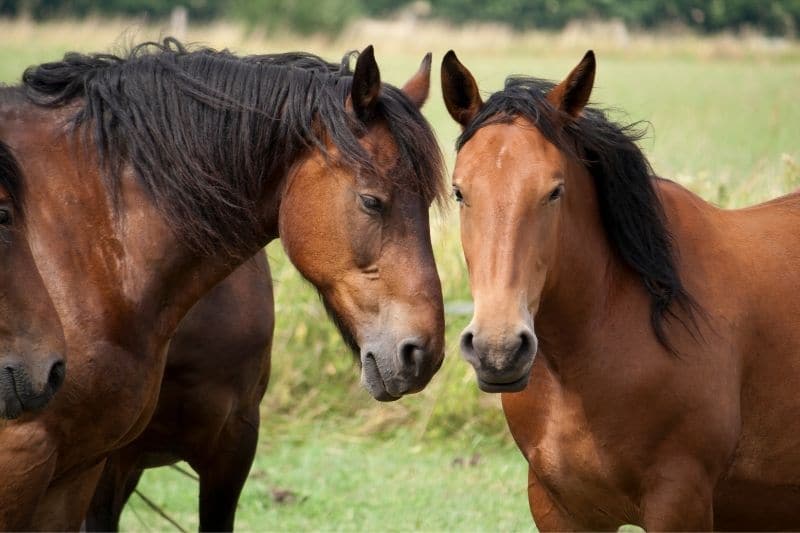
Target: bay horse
646,343
32,347
151,177
207,413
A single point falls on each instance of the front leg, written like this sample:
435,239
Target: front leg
27,462
223,476
678,497
66,502
118,481
547,515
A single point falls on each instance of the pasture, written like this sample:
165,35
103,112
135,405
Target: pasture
723,120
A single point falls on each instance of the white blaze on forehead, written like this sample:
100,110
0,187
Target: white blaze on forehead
498,162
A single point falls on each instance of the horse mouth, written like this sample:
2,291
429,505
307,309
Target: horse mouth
373,381
18,401
511,386
12,409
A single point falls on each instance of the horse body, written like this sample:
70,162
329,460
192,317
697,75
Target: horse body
671,420
135,214
609,414
208,409
105,287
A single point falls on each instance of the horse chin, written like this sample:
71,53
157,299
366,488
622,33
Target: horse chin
372,380
512,386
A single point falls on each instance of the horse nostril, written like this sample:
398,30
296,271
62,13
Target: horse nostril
467,347
412,356
527,344
56,376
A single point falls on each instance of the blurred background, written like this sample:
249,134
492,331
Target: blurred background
717,81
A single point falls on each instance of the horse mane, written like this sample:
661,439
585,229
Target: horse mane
10,175
206,131
630,209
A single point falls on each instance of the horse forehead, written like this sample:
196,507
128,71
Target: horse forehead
381,145
513,152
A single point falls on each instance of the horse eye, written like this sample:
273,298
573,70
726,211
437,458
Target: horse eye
371,203
457,194
557,193
5,216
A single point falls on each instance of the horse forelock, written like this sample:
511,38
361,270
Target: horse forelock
209,132
630,209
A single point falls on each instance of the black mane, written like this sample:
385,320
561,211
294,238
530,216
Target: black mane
206,130
630,208
10,175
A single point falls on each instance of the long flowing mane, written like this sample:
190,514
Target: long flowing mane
10,175
630,209
207,131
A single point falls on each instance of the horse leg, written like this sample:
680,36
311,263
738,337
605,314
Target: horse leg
27,462
547,515
678,497
117,483
67,500
222,477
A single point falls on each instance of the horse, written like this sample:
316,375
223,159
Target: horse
151,177
644,342
32,347
207,414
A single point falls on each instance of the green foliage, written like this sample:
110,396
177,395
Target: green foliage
775,17
304,17
45,9
772,16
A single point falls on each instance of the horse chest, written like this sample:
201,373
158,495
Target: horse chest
578,469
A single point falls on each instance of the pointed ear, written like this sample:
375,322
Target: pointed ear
366,84
418,87
572,94
459,89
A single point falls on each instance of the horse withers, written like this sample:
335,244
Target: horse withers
646,342
150,178
32,347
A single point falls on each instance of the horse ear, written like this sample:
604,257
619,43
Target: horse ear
366,84
459,89
572,94
418,87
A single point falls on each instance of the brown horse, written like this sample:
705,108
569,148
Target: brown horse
665,331
31,341
207,412
150,178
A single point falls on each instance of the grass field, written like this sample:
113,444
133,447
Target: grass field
724,121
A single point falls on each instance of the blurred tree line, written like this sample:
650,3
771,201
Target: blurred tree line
774,17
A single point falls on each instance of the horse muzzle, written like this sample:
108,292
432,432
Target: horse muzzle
390,372
25,388
502,362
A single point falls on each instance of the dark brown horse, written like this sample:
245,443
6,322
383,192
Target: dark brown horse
150,178
32,344
653,337
208,409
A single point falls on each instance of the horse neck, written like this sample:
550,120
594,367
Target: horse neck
583,275
135,277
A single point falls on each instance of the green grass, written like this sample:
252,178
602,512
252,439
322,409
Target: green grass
346,484
725,124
